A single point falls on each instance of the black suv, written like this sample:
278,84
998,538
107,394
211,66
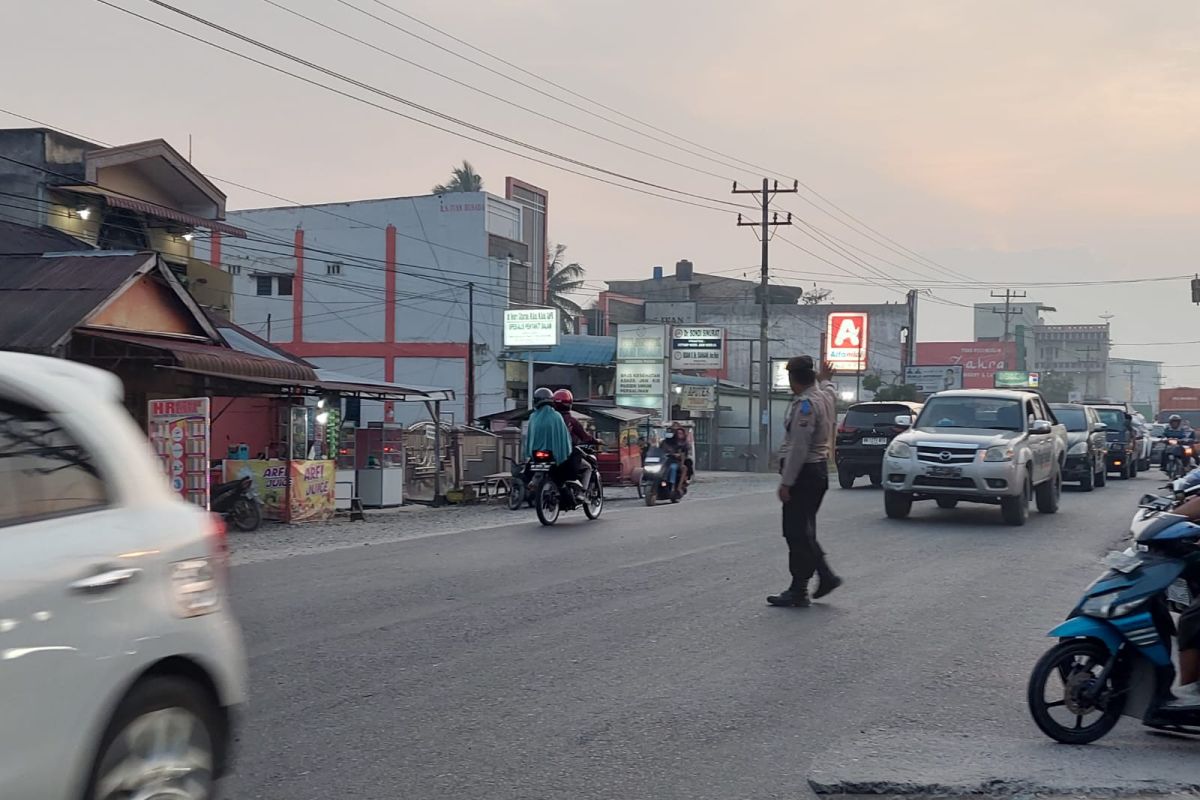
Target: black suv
863,437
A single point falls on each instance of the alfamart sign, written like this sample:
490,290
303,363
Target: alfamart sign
846,341
531,327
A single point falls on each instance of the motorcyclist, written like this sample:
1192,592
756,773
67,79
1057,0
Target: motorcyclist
685,453
547,432
1188,693
1176,429
674,450
580,468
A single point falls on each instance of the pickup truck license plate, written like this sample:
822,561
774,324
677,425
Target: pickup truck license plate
945,472
882,440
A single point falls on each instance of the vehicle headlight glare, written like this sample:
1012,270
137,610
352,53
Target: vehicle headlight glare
1105,606
899,449
999,453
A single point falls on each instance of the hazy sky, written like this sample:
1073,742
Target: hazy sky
1016,142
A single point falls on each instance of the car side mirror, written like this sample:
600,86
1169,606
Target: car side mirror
1100,426
1040,427
904,421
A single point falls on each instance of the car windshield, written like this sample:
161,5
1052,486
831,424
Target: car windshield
992,413
874,416
1074,418
1157,429
1114,418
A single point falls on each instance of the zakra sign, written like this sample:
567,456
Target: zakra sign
846,341
530,327
697,347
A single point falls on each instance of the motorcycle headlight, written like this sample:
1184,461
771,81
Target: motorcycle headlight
1105,606
1078,449
653,469
898,449
999,453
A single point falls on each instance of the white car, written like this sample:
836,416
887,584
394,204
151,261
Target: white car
120,663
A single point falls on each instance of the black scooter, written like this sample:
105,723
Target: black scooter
552,494
1114,654
661,477
236,502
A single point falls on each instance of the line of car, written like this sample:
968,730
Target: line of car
1006,448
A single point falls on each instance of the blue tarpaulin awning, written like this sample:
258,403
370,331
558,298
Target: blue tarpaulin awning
582,351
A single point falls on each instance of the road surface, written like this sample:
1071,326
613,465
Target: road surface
634,657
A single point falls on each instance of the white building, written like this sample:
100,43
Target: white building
379,289
1135,382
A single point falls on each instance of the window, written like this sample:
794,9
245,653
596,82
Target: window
285,285
333,268
1076,419
43,473
234,269
262,285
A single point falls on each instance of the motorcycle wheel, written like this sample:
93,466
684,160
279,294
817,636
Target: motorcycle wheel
547,503
1064,672
593,501
516,495
650,493
246,515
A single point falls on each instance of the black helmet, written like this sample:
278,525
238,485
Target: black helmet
542,396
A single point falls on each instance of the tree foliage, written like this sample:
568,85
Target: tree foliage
562,279
1057,386
462,179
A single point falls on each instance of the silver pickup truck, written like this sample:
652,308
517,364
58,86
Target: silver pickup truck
978,446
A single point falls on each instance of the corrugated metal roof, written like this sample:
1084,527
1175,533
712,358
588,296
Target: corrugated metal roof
27,240
42,298
583,351
153,210
211,359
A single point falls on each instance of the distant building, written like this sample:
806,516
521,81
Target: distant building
1078,351
1135,382
1022,318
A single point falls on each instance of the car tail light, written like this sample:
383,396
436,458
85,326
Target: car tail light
844,428
195,586
218,539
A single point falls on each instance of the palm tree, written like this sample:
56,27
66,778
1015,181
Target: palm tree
462,179
561,280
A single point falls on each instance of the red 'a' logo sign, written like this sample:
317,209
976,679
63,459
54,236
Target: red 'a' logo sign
846,340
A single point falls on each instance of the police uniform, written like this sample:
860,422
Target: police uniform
811,419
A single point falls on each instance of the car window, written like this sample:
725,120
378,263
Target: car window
1076,419
990,413
874,416
43,472
1114,418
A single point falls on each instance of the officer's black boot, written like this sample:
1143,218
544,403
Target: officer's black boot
791,598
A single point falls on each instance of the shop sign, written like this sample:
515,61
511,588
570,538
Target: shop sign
531,327
697,347
180,432
698,398
640,342
846,341
640,379
929,379
1018,380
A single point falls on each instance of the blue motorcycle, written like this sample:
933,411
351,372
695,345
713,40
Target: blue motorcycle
1114,654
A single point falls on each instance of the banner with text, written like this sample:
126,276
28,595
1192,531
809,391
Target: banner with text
697,347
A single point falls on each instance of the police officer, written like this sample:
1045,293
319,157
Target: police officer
804,479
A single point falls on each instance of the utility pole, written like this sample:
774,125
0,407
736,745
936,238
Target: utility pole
910,347
1009,295
768,221
1087,369
470,402
1131,371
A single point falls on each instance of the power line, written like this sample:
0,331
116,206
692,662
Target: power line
417,106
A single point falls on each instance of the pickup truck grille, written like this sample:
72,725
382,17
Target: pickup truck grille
938,454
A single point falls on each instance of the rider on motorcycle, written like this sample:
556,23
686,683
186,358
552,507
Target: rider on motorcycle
547,432
1188,693
676,451
580,468
1176,429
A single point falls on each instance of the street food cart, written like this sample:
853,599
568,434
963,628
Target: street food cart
621,429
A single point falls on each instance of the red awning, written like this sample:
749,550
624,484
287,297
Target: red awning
210,359
153,210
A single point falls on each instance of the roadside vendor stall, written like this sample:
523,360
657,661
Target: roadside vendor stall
620,429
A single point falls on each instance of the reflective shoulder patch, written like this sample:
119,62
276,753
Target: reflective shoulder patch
806,406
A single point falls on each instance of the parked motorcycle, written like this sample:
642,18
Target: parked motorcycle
518,493
237,503
1114,654
1179,458
552,495
660,477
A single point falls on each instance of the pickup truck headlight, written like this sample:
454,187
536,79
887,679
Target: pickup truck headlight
1000,452
1078,449
898,449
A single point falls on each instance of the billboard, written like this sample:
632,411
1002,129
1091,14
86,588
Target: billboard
640,342
846,341
1007,379
697,347
980,360
934,378
530,327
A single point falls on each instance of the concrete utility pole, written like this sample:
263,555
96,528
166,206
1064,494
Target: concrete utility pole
1087,368
765,196
470,400
1009,295
1131,372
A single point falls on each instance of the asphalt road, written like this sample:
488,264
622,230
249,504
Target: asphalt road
634,657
